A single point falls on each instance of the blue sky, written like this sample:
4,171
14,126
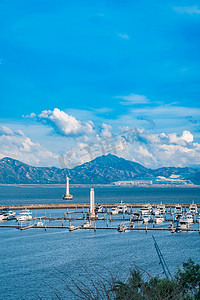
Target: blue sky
120,63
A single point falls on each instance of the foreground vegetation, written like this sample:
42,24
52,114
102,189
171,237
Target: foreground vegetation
139,285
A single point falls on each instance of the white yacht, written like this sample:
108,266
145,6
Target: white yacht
183,225
159,219
3,217
193,209
178,209
122,208
8,212
146,209
114,211
189,218
24,215
161,208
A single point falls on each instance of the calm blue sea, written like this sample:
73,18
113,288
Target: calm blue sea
34,262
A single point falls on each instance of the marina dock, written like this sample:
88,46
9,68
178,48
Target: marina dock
105,216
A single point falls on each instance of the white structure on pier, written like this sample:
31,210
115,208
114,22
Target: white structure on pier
67,196
92,212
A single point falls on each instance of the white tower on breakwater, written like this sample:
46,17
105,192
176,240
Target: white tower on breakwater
92,212
67,196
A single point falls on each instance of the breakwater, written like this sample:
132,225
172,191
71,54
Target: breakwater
86,205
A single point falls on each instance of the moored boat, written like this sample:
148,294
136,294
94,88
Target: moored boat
159,219
3,217
114,211
24,215
40,223
189,218
146,209
178,209
193,209
183,225
99,208
86,224
161,208
122,208
8,212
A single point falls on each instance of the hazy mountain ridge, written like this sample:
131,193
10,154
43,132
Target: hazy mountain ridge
104,169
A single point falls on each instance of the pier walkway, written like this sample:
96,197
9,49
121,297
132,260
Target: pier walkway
85,205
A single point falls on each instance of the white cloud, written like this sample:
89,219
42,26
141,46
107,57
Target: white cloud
187,9
133,99
167,111
80,141
63,123
123,36
16,145
167,149
106,131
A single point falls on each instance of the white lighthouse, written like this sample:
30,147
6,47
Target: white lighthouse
92,212
67,196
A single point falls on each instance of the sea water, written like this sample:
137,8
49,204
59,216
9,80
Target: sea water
37,264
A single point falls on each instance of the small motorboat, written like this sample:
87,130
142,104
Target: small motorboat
136,216
99,208
159,219
114,211
86,224
40,223
122,228
182,226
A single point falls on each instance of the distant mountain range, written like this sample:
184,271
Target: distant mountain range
102,170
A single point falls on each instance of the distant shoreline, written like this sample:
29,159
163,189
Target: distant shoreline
59,185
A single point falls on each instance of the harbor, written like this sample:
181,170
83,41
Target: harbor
121,216
66,235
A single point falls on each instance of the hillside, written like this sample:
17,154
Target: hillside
104,169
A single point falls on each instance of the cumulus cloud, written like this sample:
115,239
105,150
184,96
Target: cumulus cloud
157,150
187,9
106,131
63,123
16,145
123,36
133,99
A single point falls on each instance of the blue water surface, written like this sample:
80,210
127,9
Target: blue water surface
35,263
